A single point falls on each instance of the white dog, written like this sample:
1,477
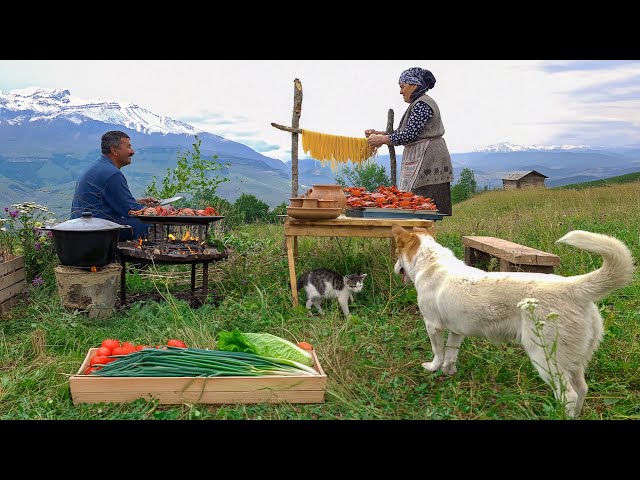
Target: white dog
468,301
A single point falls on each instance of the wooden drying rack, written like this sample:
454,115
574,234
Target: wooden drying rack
295,131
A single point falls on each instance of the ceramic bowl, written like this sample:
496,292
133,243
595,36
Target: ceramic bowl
313,213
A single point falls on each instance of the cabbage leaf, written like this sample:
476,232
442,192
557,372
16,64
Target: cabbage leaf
263,344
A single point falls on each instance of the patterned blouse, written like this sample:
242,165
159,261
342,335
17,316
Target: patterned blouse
419,115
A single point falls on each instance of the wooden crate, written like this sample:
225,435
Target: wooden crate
176,390
12,283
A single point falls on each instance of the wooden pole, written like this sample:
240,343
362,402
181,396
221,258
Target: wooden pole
392,149
286,129
295,124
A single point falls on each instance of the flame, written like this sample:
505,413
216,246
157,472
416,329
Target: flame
94,269
171,237
187,236
140,241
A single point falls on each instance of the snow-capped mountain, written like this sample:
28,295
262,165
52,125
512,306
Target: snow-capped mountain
33,103
506,147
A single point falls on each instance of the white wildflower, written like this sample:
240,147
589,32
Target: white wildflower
527,303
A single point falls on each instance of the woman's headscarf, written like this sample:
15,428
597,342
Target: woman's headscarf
424,79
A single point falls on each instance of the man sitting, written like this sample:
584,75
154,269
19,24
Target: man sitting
102,188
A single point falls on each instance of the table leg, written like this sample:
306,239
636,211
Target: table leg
292,268
295,247
123,283
205,279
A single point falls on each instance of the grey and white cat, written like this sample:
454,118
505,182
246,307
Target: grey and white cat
324,283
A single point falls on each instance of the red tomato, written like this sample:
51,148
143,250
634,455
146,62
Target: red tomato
104,351
110,343
129,347
176,343
99,360
120,351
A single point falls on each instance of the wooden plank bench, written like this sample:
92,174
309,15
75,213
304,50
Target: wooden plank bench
513,256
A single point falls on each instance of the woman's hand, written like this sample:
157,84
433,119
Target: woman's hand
376,140
371,131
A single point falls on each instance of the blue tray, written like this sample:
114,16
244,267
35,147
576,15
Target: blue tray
400,213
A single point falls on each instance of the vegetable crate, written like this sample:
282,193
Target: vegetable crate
176,390
12,283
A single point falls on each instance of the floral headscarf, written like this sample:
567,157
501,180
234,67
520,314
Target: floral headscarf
424,79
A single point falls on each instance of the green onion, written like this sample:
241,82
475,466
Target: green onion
195,362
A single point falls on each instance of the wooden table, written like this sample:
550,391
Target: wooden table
340,227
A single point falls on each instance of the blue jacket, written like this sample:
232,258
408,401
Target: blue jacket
102,190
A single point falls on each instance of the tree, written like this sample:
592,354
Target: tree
252,208
189,176
367,174
465,188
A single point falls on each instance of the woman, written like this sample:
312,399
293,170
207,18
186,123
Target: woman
426,168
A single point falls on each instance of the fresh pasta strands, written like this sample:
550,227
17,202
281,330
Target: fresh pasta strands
335,148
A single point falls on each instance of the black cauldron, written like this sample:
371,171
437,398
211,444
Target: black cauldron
86,241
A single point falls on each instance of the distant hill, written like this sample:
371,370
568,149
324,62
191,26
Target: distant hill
47,137
628,178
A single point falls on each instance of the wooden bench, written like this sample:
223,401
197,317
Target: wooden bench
513,257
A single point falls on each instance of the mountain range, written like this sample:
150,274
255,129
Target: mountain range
47,137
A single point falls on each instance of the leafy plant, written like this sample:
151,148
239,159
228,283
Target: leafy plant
367,174
191,175
20,234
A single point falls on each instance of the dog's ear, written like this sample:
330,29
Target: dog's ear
404,239
398,231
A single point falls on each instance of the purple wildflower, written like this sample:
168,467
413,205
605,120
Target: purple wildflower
49,234
6,209
38,246
37,281
15,214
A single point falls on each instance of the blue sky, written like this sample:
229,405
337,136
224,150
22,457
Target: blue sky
483,102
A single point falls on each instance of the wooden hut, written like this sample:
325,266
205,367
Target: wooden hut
527,179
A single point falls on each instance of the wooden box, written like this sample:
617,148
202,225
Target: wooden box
176,390
12,283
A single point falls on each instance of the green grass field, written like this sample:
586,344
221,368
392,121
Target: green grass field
373,359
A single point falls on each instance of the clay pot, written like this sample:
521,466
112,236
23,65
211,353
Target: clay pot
329,192
310,203
323,203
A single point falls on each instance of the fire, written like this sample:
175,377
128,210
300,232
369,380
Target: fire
186,236
171,237
94,269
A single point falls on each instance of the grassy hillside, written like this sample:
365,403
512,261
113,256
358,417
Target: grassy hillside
373,359
630,177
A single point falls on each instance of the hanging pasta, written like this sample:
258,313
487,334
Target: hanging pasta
336,148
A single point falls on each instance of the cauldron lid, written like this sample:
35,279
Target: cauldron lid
87,223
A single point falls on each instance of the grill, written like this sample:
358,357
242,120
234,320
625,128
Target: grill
174,240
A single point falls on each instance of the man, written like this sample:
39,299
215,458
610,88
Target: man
102,188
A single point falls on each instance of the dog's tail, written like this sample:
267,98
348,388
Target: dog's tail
617,266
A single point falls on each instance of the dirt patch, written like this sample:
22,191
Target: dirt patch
195,300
